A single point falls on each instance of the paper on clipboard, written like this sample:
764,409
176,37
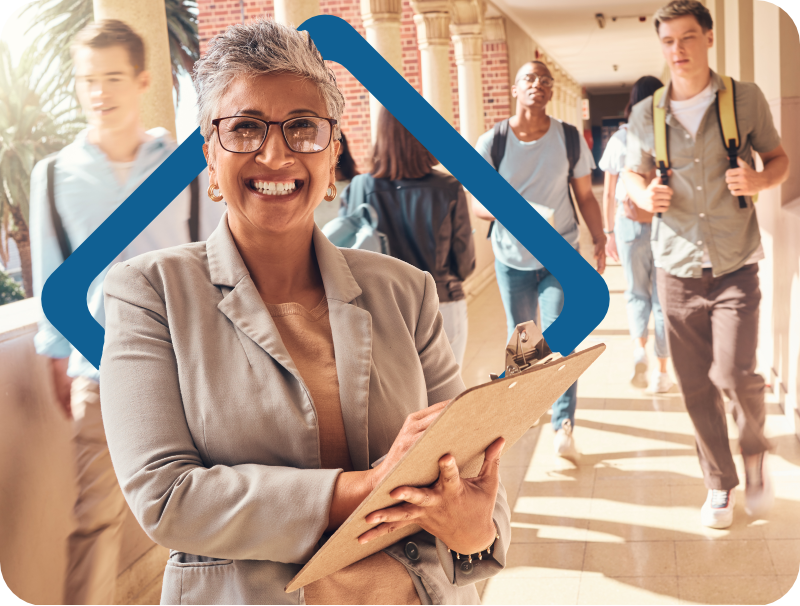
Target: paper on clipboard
505,407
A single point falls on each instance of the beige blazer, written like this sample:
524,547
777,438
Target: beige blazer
213,433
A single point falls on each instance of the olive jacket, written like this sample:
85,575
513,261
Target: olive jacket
213,434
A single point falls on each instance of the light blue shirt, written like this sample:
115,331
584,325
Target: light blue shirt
538,171
86,193
613,160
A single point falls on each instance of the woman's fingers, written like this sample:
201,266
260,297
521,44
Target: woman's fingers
421,497
491,460
449,478
382,529
399,513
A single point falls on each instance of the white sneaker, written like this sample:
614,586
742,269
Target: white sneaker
639,377
660,382
717,511
759,492
564,443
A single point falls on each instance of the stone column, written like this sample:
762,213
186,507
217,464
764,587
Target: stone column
468,43
716,57
382,22
294,12
148,18
739,39
433,39
777,63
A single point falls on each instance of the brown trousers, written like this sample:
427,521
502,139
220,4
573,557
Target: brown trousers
712,330
94,544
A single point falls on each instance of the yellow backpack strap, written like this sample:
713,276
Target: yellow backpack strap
726,110
660,129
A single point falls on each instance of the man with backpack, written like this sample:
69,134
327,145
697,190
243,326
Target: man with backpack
542,158
72,193
700,131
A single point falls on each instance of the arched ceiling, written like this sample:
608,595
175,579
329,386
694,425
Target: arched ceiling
569,31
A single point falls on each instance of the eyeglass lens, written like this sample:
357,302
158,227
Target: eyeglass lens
532,78
242,134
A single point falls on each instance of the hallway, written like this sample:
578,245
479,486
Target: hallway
623,527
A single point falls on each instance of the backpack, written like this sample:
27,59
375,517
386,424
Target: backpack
571,140
357,230
58,225
728,126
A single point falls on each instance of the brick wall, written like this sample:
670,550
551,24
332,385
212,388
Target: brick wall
494,66
216,15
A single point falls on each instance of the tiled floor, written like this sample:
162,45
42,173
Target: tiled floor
623,527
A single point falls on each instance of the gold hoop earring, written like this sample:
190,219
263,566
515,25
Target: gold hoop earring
330,196
215,198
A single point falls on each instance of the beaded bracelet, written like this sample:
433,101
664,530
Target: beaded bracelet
488,550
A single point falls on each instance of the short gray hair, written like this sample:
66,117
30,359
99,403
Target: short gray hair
254,49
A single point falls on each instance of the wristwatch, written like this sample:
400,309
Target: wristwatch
608,231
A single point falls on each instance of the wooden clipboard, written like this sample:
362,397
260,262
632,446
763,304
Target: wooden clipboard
506,407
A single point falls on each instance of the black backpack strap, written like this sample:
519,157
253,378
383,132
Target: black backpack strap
573,144
499,139
499,143
58,225
194,210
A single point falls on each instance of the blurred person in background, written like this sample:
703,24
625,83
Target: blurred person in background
542,158
345,171
628,231
425,217
72,193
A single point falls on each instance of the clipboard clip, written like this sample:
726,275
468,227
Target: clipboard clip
526,348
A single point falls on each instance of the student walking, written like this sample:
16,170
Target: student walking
628,231
541,158
425,217
707,246
72,193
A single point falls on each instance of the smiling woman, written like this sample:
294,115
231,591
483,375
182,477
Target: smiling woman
257,386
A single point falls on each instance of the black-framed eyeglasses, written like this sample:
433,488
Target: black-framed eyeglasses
245,135
546,81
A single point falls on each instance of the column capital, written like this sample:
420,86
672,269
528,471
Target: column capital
380,11
494,29
468,47
432,29
467,12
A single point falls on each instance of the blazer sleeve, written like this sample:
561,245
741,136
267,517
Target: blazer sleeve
442,376
241,512
463,244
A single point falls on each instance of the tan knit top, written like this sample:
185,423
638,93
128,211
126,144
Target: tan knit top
378,579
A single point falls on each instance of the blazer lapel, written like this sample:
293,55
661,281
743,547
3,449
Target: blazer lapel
351,328
241,302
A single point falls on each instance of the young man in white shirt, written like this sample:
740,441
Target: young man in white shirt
535,163
91,177
706,250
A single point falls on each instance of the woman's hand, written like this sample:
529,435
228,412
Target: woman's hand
457,511
414,426
352,487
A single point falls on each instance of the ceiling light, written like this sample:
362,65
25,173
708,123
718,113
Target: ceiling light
601,20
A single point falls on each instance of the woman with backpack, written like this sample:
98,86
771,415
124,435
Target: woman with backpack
424,215
628,231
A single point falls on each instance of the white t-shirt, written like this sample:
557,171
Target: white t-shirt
689,113
122,170
538,171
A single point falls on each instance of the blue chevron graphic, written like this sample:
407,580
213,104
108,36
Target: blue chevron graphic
586,296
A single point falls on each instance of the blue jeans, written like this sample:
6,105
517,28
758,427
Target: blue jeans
633,246
521,292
